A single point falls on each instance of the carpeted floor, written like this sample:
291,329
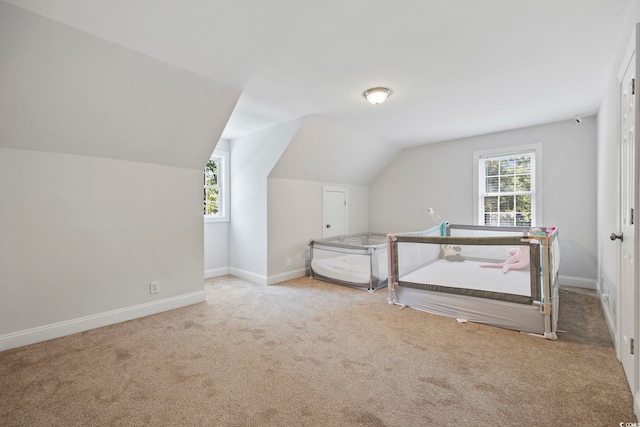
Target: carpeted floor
308,353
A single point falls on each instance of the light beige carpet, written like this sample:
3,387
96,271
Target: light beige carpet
308,353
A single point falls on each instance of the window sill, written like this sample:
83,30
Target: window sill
208,219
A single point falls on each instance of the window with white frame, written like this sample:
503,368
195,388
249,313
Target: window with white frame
216,187
506,184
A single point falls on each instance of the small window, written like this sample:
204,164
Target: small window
506,186
212,187
216,187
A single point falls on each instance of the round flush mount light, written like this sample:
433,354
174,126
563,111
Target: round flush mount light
377,95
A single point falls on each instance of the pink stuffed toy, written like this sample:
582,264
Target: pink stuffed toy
518,259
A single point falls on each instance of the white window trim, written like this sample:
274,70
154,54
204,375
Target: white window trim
224,186
508,151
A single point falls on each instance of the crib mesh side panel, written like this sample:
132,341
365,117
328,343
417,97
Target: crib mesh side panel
495,271
536,270
345,267
358,260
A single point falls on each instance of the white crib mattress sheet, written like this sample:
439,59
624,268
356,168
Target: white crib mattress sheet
470,275
348,268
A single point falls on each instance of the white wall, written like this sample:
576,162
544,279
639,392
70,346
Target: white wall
65,91
252,159
295,217
216,238
101,158
84,235
216,249
607,177
276,185
441,176
326,152
320,153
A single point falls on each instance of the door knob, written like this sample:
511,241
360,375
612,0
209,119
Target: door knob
328,225
615,236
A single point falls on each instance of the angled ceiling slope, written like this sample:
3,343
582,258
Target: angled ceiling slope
63,90
325,152
456,68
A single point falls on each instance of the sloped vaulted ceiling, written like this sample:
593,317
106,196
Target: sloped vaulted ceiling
457,68
325,152
66,91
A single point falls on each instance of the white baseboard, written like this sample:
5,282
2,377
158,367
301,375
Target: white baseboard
68,327
610,321
266,280
216,272
578,282
248,275
282,277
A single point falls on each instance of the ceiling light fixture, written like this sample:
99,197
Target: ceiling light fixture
377,95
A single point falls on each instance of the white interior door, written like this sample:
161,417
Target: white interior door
334,215
628,271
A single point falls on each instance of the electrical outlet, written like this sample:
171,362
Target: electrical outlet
154,287
288,262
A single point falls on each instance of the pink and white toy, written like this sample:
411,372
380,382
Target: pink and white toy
518,259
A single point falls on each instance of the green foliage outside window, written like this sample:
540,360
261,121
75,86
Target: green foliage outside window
212,188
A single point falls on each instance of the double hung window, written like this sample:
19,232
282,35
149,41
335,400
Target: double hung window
507,189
